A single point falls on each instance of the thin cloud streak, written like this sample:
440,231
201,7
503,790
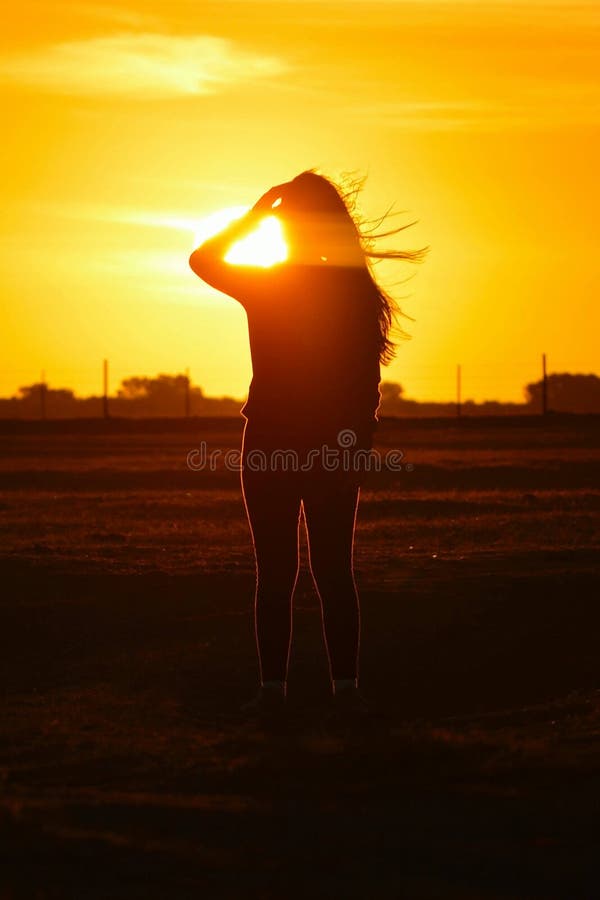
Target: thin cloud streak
119,215
143,66
539,110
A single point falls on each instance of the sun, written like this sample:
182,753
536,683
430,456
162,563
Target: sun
263,247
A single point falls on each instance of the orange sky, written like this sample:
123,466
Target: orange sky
127,122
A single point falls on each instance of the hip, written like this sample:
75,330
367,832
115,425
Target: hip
325,456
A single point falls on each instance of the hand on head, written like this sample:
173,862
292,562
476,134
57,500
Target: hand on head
265,204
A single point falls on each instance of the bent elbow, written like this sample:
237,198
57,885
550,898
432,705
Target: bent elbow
195,262
206,267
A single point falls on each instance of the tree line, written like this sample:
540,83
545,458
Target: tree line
175,396
565,392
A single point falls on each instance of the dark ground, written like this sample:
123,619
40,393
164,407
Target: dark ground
126,648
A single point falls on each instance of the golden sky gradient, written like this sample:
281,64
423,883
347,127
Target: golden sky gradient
126,123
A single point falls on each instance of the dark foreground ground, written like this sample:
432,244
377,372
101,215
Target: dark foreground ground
126,650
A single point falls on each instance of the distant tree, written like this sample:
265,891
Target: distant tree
391,391
163,395
566,393
134,388
392,398
138,387
32,391
58,402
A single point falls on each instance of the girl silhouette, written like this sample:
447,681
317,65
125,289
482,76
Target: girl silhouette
319,327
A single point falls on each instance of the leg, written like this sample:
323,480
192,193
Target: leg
330,513
272,503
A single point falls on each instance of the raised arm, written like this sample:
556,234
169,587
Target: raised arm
208,260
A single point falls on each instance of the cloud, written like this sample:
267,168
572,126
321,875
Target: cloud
145,66
474,115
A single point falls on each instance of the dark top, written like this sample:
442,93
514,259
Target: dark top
313,342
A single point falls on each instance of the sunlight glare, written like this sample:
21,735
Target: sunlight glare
264,247
216,222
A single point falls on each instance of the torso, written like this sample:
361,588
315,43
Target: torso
314,366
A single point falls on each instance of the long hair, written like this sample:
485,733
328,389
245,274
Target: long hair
344,239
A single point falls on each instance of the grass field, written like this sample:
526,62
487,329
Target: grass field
127,648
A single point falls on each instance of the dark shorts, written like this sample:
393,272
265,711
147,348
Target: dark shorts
336,456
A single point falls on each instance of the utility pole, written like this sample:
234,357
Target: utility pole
105,389
458,390
544,386
43,396
187,393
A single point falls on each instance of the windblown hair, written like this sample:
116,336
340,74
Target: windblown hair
337,203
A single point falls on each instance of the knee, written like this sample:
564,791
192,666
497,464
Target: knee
276,574
333,576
